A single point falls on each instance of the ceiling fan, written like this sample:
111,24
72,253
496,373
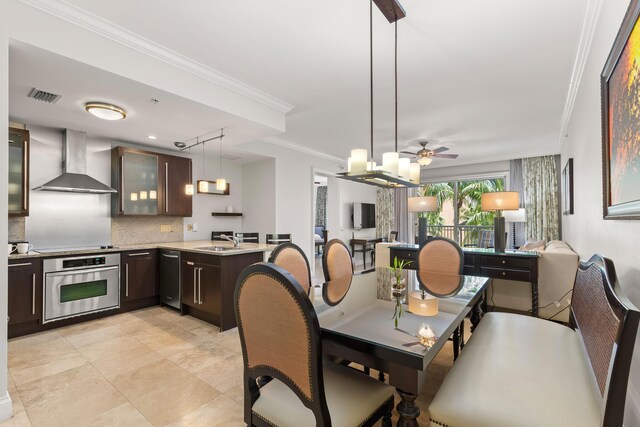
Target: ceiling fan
425,156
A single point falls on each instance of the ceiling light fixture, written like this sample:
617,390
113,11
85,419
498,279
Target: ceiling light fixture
105,111
152,137
221,183
395,172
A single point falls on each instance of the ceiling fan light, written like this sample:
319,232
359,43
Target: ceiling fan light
425,161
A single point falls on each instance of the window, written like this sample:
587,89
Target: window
460,217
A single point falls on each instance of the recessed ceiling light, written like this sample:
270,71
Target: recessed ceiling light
152,137
105,111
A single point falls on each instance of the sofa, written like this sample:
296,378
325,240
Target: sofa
557,268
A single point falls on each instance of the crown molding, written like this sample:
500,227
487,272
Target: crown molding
100,26
589,26
302,149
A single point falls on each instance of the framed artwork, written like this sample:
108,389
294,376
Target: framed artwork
567,188
620,90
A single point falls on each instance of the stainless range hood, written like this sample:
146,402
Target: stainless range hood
74,178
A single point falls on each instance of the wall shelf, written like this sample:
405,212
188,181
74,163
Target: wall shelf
226,214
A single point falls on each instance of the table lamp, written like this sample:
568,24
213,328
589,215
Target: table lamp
422,204
500,201
423,304
513,217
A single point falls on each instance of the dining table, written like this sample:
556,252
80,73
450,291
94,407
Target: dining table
361,328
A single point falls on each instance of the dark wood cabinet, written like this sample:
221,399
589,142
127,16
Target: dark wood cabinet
18,179
208,284
175,174
24,296
149,183
139,286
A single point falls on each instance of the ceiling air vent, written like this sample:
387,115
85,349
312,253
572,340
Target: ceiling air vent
41,95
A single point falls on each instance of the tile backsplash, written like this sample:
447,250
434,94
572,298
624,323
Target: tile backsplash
16,229
148,229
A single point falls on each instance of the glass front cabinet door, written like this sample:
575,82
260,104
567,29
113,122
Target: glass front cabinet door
18,183
138,183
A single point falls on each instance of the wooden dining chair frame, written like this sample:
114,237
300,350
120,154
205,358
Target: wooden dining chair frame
288,245
325,269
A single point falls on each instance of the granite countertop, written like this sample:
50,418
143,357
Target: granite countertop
188,246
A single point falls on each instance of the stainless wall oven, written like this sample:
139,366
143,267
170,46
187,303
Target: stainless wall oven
80,285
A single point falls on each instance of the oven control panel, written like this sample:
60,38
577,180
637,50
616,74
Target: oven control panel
83,262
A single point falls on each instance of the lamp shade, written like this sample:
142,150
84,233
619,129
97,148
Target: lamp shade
500,201
423,304
423,204
515,216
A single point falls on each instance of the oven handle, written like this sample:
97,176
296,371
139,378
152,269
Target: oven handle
92,270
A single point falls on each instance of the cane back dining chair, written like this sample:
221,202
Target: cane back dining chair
290,257
338,271
442,256
285,344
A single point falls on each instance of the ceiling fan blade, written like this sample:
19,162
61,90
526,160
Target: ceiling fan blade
408,152
440,150
446,156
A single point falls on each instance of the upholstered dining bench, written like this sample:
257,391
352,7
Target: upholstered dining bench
523,371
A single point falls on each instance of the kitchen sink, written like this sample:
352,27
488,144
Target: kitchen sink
218,248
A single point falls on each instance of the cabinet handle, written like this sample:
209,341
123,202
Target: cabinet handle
504,273
200,285
504,262
139,254
122,184
24,264
33,294
25,191
190,263
166,187
195,286
126,280
173,256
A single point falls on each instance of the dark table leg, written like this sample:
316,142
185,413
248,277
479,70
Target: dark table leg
476,315
534,299
407,409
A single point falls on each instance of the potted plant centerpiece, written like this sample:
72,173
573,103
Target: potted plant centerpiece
398,286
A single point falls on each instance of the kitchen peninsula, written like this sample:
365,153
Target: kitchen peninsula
42,297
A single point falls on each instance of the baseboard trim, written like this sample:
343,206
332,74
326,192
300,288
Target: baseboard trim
6,407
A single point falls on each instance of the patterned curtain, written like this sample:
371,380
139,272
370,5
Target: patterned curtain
384,212
321,206
516,184
540,179
401,214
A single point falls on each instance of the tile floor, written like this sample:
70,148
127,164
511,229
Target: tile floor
148,367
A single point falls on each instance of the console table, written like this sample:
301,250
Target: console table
367,245
515,265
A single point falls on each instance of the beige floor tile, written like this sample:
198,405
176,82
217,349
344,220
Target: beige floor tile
147,378
208,331
17,420
91,336
153,333
10,383
78,408
123,362
174,343
109,347
16,402
236,394
230,340
124,415
201,357
45,368
221,411
17,344
174,399
62,384
224,375
37,353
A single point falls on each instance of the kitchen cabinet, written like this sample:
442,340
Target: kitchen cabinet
149,183
175,174
139,286
208,285
18,180
24,296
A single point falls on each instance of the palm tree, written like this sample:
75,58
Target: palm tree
469,201
443,191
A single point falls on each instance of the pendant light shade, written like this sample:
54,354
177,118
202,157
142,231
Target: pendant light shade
404,167
221,184
188,189
203,186
390,162
414,173
358,161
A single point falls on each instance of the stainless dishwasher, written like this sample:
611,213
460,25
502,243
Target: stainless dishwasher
170,281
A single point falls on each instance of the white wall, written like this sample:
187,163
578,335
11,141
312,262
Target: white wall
5,400
259,197
204,204
350,193
586,231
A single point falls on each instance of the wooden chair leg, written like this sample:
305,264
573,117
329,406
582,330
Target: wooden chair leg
456,344
367,371
461,328
380,376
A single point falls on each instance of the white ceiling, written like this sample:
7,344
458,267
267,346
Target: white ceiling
488,79
172,119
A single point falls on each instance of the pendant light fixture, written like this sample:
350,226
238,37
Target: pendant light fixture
221,183
395,172
203,184
188,189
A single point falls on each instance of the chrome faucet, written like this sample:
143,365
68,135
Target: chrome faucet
233,239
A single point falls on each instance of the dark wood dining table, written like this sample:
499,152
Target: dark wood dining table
361,329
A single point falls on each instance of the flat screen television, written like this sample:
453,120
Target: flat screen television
364,216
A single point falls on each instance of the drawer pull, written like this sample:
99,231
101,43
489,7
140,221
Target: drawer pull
24,264
504,262
504,273
140,254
